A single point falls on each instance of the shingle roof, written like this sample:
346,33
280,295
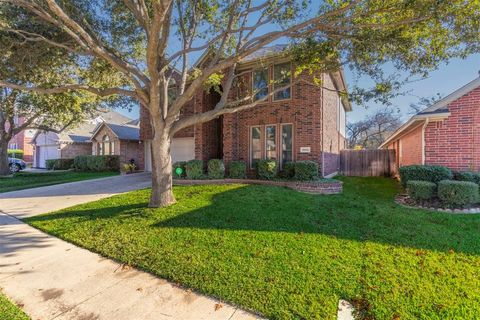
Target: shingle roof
265,52
125,132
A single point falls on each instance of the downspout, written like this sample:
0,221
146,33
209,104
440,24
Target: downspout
323,129
423,140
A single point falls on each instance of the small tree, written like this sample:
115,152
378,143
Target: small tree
144,40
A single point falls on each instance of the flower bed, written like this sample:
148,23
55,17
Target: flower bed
327,186
405,201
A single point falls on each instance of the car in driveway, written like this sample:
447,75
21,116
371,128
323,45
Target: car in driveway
16,164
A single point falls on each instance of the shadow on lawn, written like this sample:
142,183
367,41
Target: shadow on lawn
365,212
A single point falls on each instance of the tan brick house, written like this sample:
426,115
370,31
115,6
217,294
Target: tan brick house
304,122
446,133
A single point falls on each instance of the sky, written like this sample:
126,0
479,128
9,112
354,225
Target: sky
444,81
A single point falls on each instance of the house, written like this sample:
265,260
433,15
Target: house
22,140
74,141
303,122
446,133
119,139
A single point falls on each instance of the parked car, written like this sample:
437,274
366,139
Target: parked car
16,164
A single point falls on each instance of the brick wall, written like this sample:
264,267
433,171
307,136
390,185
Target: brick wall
411,148
454,142
71,150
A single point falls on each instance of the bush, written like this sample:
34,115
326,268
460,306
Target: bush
59,164
421,190
433,174
457,193
97,163
306,170
15,153
466,176
194,169
266,169
237,170
216,169
181,165
288,171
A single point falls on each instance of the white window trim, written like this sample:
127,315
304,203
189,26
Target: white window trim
265,140
273,84
267,69
250,144
280,164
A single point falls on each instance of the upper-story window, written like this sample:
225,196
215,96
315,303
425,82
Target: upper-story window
260,84
282,77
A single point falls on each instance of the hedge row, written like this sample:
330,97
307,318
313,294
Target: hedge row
15,153
59,164
97,163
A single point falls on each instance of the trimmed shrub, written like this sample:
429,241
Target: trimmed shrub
97,163
421,190
215,169
288,171
266,169
433,174
237,170
181,165
466,176
59,164
457,193
15,153
194,169
306,170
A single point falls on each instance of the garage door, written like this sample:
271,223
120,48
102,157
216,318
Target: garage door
45,153
183,149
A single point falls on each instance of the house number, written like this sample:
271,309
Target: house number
304,149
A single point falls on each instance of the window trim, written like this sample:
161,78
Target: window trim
265,140
273,81
267,69
250,145
280,164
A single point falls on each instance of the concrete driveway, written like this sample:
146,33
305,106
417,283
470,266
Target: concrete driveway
53,279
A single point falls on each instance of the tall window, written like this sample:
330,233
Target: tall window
271,142
287,143
107,146
255,146
282,76
260,84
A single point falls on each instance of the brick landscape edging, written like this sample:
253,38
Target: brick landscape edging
304,186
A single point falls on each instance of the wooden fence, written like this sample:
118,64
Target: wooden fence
368,163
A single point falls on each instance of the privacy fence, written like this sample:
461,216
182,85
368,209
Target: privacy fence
368,163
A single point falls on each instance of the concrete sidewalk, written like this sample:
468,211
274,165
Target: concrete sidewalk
53,279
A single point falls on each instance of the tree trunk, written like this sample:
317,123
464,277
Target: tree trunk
162,192
4,167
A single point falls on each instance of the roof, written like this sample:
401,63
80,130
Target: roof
266,52
437,111
121,131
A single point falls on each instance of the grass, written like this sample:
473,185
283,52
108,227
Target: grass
26,180
290,255
9,311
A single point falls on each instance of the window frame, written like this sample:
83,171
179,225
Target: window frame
267,71
280,164
250,145
273,81
265,141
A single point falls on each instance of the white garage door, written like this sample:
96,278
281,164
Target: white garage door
47,152
183,149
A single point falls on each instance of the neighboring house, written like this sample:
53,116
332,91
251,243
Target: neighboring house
22,141
304,122
71,142
446,133
122,140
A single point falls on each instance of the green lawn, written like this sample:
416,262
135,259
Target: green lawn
26,180
290,255
9,311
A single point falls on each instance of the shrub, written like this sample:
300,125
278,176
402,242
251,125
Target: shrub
194,169
306,170
466,176
266,169
59,164
237,170
181,165
216,169
288,171
457,193
15,153
421,190
433,174
97,163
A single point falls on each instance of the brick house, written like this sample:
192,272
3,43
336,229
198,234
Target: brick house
22,141
122,140
446,133
303,122
73,141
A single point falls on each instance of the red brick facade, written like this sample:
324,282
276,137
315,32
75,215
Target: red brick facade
453,142
311,109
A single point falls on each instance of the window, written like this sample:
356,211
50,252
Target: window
287,143
12,146
282,76
106,147
271,142
255,146
260,84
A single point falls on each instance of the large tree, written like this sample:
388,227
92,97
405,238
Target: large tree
144,40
